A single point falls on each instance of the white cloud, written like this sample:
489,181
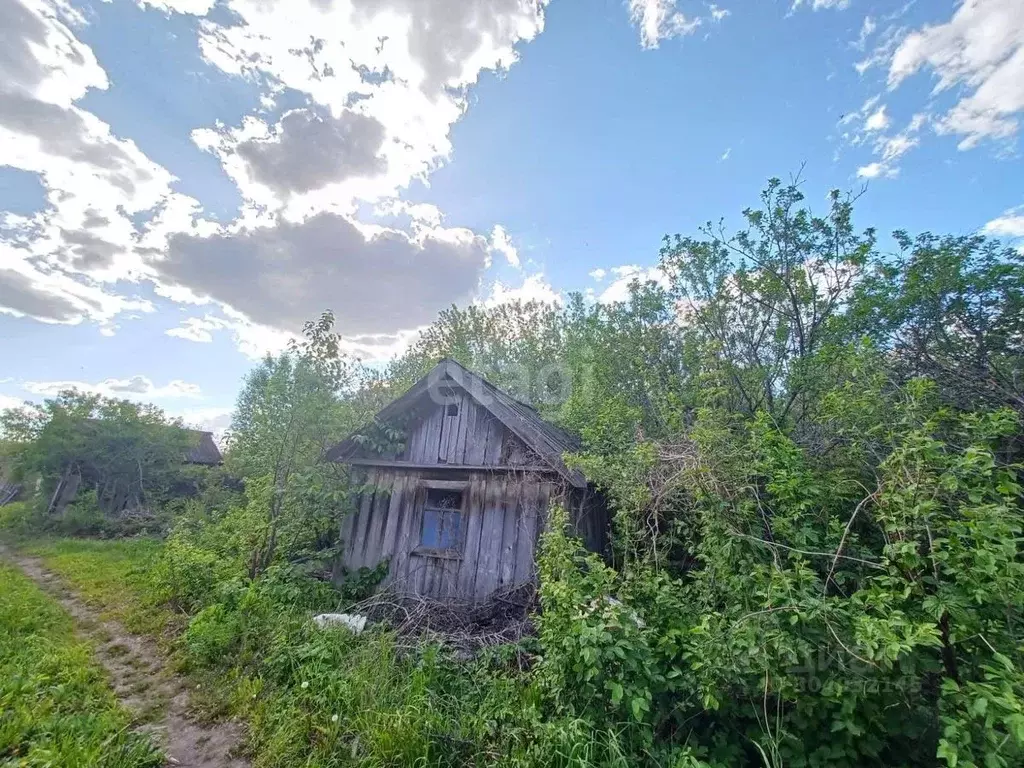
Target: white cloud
877,120
215,419
533,288
867,29
717,14
190,7
873,171
6,401
309,159
725,155
625,276
598,274
381,92
198,329
1010,224
502,243
59,264
818,5
981,49
887,148
394,67
132,388
660,20
49,295
420,214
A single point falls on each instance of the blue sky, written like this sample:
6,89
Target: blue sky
184,181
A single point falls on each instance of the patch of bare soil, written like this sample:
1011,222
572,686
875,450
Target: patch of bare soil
143,681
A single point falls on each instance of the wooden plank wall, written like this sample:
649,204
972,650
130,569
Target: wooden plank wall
502,519
471,436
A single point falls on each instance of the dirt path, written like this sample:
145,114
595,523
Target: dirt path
143,681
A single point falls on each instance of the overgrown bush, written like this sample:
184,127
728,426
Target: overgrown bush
17,518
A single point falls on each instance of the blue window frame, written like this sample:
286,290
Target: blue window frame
442,519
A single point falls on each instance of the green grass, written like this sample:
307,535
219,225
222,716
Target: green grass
113,576
55,706
312,698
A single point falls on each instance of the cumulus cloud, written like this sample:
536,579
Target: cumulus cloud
380,94
388,82
280,275
981,49
55,262
131,388
6,401
216,419
198,329
877,120
306,150
533,288
717,14
625,276
502,243
51,296
1010,224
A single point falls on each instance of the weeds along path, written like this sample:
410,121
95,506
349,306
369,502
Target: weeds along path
143,681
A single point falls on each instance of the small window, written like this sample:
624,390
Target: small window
442,519
452,409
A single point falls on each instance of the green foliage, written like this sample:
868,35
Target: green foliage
812,455
55,707
128,456
952,309
290,410
17,518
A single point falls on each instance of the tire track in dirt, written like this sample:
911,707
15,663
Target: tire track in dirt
143,681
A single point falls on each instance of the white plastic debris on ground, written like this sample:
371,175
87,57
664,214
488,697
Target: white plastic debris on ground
351,621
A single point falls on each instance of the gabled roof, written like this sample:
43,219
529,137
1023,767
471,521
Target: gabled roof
203,450
545,439
202,447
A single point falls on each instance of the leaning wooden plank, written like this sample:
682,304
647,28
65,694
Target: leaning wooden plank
474,513
378,519
468,429
362,526
525,568
455,424
416,449
495,441
432,435
490,539
507,559
408,536
398,490
457,449
347,524
476,441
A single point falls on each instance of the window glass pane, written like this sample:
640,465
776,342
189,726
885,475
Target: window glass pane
431,536
449,536
442,519
439,499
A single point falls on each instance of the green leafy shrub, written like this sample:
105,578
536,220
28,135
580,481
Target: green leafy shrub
17,518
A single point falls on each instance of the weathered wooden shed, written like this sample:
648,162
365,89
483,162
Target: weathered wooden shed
458,506
202,450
